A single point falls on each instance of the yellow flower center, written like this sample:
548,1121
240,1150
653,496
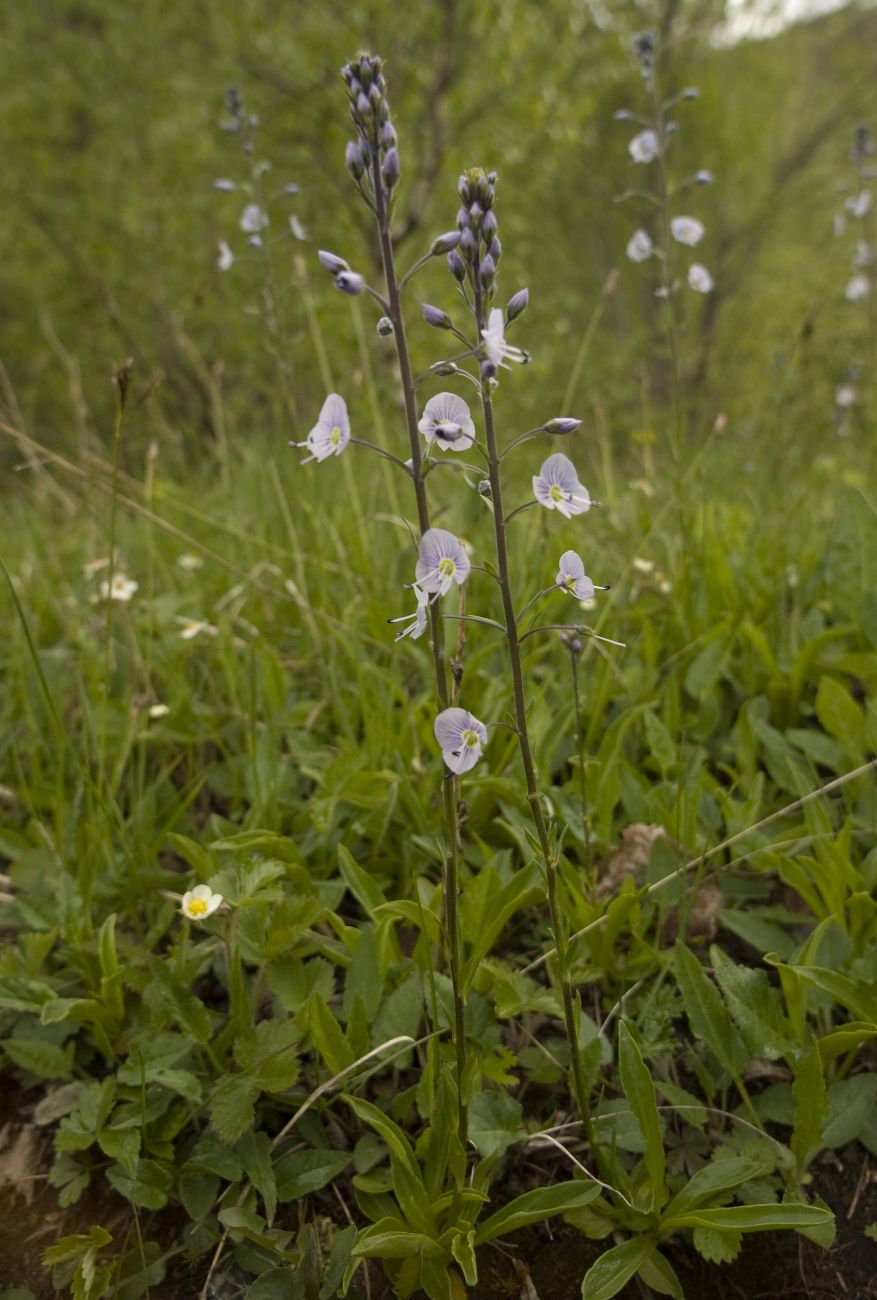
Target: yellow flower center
447,567
335,435
556,492
197,907
470,738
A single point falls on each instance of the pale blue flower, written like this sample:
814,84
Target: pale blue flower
557,487
495,346
699,278
447,423
644,147
640,246
571,576
442,561
686,230
253,219
461,737
416,621
331,434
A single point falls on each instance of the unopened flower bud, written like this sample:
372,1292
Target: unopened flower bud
436,317
468,246
622,115
391,169
561,424
223,184
517,304
463,190
488,226
334,265
462,218
484,489
487,271
495,249
690,92
349,282
456,266
385,327
488,369
444,368
375,97
388,136
704,177
476,212
363,107
353,158
450,239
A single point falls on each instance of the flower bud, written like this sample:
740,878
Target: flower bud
444,368
391,169
690,92
375,97
488,226
488,369
622,115
385,327
225,185
487,271
349,282
476,212
495,249
463,190
331,263
436,317
388,135
456,266
363,107
561,424
353,158
450,239
704,177
517,304
468,247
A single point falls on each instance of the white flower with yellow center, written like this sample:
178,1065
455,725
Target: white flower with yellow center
192,627
199,903
121,588
686,230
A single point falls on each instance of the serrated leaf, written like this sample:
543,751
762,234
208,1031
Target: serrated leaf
266,1053
707,1015
755,1006
717,1247
231,1107
327,1035
45,1060
122,1145
179,1001
495,1122
148,1187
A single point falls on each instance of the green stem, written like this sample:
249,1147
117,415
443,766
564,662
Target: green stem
449,787
558,924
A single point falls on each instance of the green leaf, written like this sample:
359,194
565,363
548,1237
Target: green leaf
639,1091
534,1207
45,1060
811,1106
327,1035
714,1179
659,741
198,1191
615,1268
231,1107
75,1246
707,1015
391,1238
841,717
851,1103
400,1013
495,1122
754,1005
717,1247
301,1172
179,1000
853,994
750,1218
122,1145
266,1054
254,1150
147,1188
364,889
276,1284
658,1273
